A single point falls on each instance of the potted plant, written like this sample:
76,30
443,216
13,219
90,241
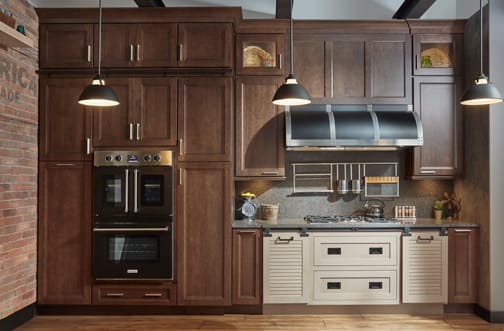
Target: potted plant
438,209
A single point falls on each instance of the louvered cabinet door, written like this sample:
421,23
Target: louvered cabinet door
285,268
425,268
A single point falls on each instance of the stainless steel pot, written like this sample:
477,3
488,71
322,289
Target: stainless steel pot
374,208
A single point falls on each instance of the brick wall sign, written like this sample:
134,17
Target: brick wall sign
18,166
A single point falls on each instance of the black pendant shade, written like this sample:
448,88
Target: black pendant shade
98,94
482,92
291,93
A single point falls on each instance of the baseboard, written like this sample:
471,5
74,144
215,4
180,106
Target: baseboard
405,308
18,318
488,315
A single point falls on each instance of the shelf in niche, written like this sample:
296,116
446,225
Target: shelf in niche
9,37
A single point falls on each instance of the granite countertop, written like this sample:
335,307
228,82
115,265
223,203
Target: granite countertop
300,223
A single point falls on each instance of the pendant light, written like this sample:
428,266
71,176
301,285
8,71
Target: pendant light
98,94
483,92
291,93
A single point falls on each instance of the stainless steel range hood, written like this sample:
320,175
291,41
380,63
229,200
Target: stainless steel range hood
352,127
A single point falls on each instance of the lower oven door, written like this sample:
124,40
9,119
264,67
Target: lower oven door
132,253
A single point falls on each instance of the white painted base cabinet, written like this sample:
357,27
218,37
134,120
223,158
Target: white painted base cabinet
355,268
425,267
286,270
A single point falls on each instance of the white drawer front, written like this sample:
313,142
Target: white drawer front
356,250
355,287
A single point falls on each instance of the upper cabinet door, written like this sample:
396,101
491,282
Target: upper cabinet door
118,45
204,119
65,125
438,54
66,45
260,54
205,44
156,45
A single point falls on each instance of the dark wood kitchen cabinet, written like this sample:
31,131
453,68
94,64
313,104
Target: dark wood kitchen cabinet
354,68
139,45
438,54
66,46
64,233
437,102
260,54
135,294
203,233
167,45
247,267
259,126
65,126
205,119
146,115
463,265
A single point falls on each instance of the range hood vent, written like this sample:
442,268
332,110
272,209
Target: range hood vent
352,127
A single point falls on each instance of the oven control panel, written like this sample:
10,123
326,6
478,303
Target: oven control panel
133,158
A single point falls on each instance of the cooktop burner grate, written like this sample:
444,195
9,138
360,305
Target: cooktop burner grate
348,219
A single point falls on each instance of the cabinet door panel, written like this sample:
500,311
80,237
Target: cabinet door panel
156,111
463,265
118,45
389,69
65,125
156,45
205,45
346,79
203,233
247,266
66,45
437,101
111,126
64,255
259,128
204,119
309,66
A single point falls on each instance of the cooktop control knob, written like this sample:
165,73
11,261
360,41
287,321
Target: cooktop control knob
147,158
118,158
157,157
108,158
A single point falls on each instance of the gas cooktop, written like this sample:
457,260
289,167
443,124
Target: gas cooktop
348,219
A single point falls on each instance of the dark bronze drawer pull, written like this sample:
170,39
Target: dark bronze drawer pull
421,240
334,251
375,285
375,250
280,240
334,285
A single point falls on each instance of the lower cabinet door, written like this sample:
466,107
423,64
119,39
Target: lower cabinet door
355,287
247,266
135,294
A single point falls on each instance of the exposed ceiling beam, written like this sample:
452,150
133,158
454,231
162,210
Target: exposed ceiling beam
149,3
413,8
283,9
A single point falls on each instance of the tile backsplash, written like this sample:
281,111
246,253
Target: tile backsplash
418,193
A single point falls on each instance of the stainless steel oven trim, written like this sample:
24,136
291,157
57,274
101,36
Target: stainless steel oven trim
163,229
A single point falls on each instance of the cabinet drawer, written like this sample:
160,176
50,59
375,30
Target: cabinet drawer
355,287
356,250
134,294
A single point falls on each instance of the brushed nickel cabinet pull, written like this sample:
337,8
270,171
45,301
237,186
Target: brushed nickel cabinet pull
89,53
427,171
153,295
114,295
138,131
131,131
270,173
138,52
463,230
88,146
64,164
180,48
181,147
131,52
246,232
280,61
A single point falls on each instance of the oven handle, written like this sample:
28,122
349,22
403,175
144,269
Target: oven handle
135,192
126,190
163,229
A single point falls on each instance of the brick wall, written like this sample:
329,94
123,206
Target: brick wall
18,165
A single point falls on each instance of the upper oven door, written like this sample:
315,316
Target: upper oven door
137,196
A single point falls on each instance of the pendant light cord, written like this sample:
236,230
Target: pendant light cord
481,37
291,40
99,37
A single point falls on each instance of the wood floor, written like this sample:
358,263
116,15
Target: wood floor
375,322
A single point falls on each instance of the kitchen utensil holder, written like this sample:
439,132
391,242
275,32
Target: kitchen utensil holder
380,179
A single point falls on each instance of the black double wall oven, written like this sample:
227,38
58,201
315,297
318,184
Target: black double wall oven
133,215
